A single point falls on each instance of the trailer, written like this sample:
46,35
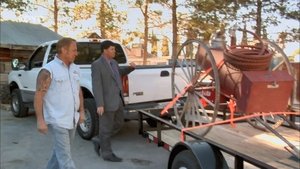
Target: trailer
223,147
236,104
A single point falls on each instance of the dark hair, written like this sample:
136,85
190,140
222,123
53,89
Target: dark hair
64,42
106,44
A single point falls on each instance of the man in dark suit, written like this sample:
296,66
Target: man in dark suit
108,94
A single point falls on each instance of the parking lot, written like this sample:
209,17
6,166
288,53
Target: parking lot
22,147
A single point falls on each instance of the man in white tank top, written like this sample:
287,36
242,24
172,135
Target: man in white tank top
59,102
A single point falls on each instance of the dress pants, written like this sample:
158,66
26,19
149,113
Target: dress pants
109,123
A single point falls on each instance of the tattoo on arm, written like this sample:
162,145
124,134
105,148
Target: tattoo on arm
81,106
43,81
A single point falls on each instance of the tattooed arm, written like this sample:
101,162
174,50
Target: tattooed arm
81,107
42,84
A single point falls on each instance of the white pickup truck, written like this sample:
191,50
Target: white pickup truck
145,86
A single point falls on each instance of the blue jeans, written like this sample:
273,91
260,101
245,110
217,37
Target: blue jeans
61,155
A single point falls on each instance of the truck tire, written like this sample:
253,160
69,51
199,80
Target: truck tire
185,160
18,108
90,126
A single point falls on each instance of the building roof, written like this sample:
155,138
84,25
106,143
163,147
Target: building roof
19,34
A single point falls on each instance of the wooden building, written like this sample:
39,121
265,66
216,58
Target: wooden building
19,40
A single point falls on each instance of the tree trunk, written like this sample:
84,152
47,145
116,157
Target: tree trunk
102,20
145,46
55,12
258,18
174,27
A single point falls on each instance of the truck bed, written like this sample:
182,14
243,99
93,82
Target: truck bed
247,141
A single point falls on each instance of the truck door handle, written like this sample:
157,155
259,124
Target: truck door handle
164,73
19,75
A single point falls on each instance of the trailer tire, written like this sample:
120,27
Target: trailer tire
18,108
151,122
185,159
90,126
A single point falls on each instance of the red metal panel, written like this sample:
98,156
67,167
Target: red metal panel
265,91
296,90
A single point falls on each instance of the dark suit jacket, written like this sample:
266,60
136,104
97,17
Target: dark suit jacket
107,92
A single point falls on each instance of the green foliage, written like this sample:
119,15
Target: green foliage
19,5
109,20
165,47
24,5
270,10
292,11
204,17
83,11
154,41
70,1
207,17
293,15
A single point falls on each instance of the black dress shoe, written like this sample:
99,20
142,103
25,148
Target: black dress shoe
96,146
113,158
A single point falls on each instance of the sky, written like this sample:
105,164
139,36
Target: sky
134,17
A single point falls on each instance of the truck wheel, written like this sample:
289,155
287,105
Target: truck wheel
17,106
185,160
90,126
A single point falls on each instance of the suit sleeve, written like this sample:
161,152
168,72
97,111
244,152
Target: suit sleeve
97,84
125,70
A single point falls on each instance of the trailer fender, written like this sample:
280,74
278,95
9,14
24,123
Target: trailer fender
205,155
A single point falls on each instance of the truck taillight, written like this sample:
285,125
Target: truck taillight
125,85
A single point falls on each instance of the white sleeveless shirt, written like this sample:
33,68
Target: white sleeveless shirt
61,102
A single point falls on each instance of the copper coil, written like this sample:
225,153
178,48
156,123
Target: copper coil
248,57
